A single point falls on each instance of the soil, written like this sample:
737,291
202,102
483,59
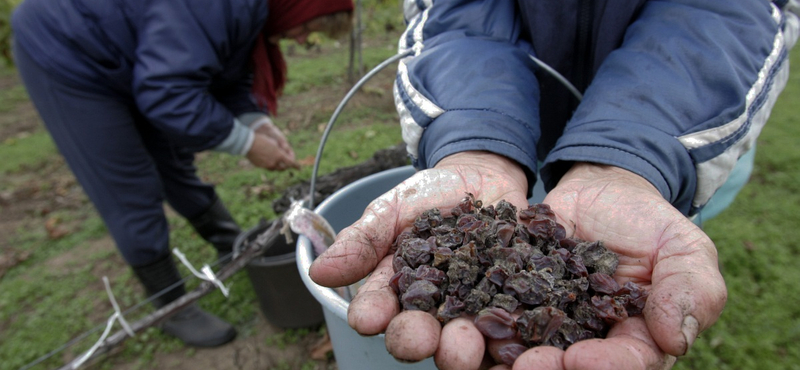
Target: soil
29,197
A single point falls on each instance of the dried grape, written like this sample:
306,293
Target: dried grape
522,281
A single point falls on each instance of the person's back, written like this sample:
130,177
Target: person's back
97,42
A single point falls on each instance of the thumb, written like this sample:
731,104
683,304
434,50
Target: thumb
359,247
688,291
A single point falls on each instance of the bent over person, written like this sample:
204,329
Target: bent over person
131,90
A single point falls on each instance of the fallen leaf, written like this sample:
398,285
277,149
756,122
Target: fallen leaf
261,191
54,229
307,161
374,91
10,259
320,350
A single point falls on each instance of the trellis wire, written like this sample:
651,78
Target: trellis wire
125,313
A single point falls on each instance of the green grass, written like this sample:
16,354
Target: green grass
27,152
329,69
758,240
9,98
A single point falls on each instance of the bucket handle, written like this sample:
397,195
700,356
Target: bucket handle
373,72
353,90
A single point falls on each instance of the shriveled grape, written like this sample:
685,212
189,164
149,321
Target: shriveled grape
516,273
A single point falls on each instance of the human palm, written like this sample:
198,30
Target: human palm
659,248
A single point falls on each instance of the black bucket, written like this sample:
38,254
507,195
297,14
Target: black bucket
284,299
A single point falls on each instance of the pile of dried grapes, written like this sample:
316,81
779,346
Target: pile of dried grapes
521,280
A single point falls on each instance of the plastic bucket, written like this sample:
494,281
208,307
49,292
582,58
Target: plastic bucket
341,209
282,296
352,351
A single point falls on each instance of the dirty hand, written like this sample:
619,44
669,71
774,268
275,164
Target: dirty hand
267,152
266,127
659,249
656,242
364,248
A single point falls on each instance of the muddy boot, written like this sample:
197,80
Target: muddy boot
217,226
192,325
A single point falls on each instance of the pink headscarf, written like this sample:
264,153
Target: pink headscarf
269,67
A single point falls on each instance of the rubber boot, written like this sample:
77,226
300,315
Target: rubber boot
217,226
192,325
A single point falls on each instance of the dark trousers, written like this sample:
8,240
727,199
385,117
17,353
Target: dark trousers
125,165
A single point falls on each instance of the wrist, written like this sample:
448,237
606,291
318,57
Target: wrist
263,121
587,171
491,161
238,141
251,118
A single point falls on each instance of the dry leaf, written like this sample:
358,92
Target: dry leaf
54,230
260,191
319,351
10,259
307,161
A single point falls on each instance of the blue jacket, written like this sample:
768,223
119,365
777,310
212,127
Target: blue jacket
673,90
185,67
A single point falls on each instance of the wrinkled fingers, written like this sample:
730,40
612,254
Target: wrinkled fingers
376,303
461,346
688,291
413,336
629,346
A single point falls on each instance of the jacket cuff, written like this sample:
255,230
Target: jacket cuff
467,130
647,152
238,141
251,119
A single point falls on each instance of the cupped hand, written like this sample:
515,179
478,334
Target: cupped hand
364,248
266,127
660,249
271,153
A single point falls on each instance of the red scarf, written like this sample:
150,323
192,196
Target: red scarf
269,67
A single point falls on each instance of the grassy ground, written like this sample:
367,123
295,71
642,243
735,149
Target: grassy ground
57,249
759,250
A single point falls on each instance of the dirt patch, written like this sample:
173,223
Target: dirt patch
245,353
22,119
33,199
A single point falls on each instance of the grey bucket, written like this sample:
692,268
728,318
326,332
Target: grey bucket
353,351
284,299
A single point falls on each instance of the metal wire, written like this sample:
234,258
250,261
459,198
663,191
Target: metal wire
373,72
558,77
338,111
125,313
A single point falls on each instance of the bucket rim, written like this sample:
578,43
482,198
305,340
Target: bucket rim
327,297
262,260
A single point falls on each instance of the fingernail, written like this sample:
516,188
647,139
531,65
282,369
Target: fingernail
690,330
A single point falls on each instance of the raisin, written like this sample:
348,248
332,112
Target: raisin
495,261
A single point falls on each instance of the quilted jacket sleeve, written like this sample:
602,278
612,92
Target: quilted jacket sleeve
191,67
